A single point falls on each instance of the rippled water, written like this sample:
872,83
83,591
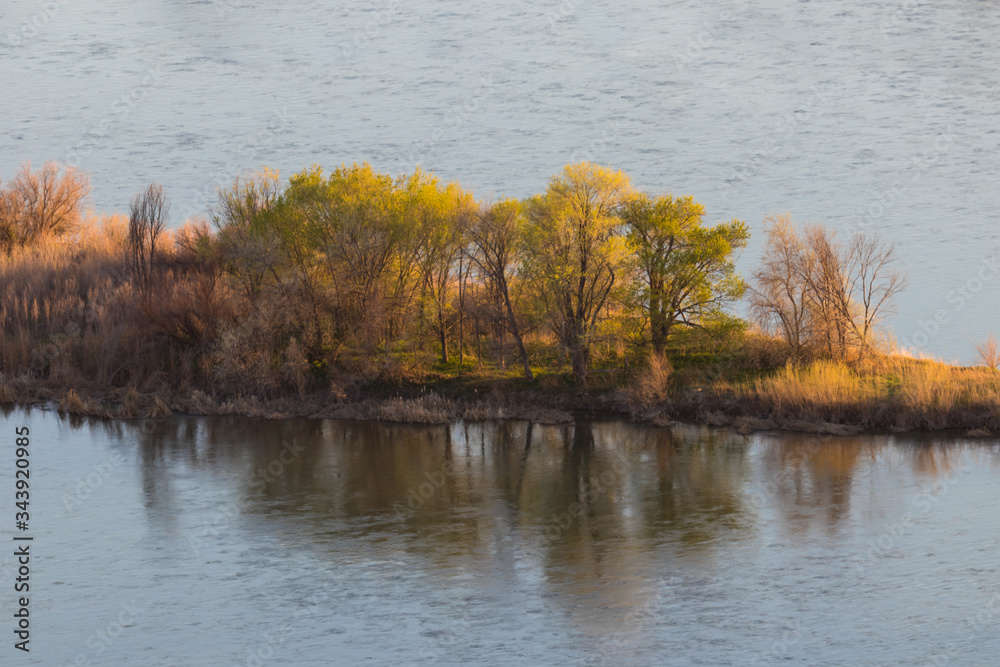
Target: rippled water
239,541
880,115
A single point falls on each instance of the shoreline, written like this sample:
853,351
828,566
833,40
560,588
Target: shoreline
440,404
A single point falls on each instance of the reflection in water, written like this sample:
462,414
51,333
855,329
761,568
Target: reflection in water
602,515
505,543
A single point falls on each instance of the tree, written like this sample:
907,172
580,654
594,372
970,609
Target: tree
437,214
42,202
822,293
352,221
688,270
988,352
575,252
247,247
147,219
873,283
494,234
778,296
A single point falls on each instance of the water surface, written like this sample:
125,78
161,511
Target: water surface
879,115
241,541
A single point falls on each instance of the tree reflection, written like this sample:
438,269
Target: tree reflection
598,514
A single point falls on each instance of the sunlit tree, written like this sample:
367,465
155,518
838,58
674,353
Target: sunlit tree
49,201
575,252
687,270
494,234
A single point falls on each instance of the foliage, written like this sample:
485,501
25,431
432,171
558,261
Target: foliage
576,254
688,271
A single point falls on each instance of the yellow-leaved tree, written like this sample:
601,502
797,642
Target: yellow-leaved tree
575,253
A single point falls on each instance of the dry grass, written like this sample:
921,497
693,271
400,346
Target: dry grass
430,409
898,393
652,383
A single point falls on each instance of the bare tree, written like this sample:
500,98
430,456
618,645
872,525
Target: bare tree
872,283
493,235
988,352
822,294
38,203
147,219
828,296
778,296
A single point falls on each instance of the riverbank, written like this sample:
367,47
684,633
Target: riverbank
896,394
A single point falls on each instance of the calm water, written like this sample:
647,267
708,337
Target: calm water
237,541
880,115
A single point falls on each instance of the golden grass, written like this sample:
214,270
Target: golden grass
895,392
651,384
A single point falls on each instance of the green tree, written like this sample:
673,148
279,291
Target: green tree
359,230
688,271
575,252
438,215
247,247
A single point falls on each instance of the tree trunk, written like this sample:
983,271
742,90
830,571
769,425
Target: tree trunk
516,332
444,341
580,358
461,313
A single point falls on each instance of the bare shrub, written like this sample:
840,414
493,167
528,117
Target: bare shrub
241,357
988,352
146,221
41,203
295,367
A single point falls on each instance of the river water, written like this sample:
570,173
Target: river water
878,115
232,541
